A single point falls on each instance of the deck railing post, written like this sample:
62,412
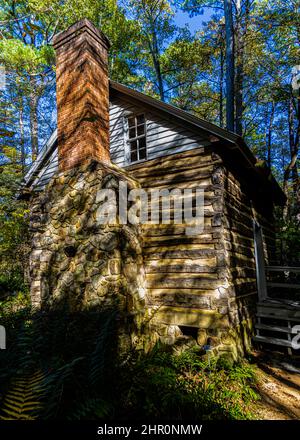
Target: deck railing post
260,262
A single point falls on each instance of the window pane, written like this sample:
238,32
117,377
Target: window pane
140,130
142,153
131,122
132,133
140,119
133,156
133,146
137,129
133,151
142,143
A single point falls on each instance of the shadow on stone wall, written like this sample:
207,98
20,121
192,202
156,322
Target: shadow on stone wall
77,262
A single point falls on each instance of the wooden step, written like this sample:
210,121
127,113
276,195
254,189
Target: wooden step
278,304
275,341
282,318
273,328
283,312
283,269
284,285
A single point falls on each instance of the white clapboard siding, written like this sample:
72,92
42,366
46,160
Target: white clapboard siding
164,136
46,172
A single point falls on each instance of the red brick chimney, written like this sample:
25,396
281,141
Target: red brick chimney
82,95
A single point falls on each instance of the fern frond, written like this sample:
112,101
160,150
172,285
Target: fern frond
55,383
24,400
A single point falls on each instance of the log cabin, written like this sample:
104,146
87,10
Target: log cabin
199,288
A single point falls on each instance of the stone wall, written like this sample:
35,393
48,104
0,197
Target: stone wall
75,261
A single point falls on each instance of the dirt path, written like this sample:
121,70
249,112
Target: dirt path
278,386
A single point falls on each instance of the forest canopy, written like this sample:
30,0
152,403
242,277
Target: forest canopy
238,68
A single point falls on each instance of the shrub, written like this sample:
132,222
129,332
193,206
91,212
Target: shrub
67,366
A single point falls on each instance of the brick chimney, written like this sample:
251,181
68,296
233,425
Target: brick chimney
82,95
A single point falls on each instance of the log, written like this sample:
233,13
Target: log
182,253
190,317
202,152
176,240
185,282
179,268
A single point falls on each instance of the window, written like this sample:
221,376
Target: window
137,137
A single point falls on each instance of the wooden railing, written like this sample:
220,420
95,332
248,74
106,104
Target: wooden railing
261,269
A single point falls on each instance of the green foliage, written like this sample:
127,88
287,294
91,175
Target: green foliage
186,386
13,225
98,407
288,236
15,304
68,366
15,54
73,354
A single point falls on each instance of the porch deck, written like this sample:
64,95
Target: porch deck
278,307
276,321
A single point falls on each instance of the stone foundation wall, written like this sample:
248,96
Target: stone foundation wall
77,262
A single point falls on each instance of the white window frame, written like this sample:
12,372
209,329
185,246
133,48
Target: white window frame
128,141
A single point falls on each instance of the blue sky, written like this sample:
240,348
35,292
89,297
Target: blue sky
194,23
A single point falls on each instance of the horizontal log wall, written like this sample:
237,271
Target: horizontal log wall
208,280
243,204
185,274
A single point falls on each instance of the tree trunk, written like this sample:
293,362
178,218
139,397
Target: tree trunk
242,20
294,146
296,180
269,136
33,102
239,70
156,62
22,139
159,78
221,86
229,65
